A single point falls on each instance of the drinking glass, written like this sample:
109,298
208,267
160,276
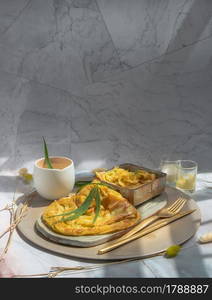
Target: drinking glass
187,173
171,169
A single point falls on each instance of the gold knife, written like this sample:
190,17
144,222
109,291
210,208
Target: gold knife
145,231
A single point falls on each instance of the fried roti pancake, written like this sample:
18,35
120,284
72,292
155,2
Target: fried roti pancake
124,178
116,213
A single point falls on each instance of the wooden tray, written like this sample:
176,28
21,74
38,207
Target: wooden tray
175,233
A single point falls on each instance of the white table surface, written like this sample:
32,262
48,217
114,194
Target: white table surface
194,260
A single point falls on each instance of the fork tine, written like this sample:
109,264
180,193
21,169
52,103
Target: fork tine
183,200
176,203
178,207
176,210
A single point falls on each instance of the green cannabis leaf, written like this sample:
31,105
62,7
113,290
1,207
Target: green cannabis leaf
98,204
93,194
46,154
81,184
172,251
82,209
75,214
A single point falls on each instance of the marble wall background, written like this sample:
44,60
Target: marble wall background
106,81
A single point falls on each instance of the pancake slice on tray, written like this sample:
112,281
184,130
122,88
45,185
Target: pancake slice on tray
115,213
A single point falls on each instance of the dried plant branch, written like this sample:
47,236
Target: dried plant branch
58,270
9,238
55,271
31,275
7,207
14,221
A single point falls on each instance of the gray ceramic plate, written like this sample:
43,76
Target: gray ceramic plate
147,209
175,233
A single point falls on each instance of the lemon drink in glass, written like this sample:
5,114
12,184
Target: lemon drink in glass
171,169
187,173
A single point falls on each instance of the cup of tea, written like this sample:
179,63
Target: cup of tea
57,182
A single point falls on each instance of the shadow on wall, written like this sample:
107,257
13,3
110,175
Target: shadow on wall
193,15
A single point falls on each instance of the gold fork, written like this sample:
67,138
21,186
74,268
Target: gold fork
165,212
149,229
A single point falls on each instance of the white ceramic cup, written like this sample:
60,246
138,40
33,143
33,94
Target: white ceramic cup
55,183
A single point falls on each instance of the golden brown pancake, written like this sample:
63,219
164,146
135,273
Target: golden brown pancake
116,214
124,178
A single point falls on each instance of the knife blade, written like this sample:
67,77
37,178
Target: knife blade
145,231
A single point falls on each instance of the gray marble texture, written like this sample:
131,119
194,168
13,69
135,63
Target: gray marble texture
105,81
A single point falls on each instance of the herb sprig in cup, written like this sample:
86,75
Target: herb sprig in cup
46,154
94,194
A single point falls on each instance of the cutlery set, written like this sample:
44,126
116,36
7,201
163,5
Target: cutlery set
150,224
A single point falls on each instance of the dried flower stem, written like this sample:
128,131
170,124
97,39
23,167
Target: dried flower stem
7,207
54,271
14,221
9,237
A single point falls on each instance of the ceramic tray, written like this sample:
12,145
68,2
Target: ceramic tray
175,233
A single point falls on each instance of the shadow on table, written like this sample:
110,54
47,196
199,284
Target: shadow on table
34,200
202,195
206,222
51,252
